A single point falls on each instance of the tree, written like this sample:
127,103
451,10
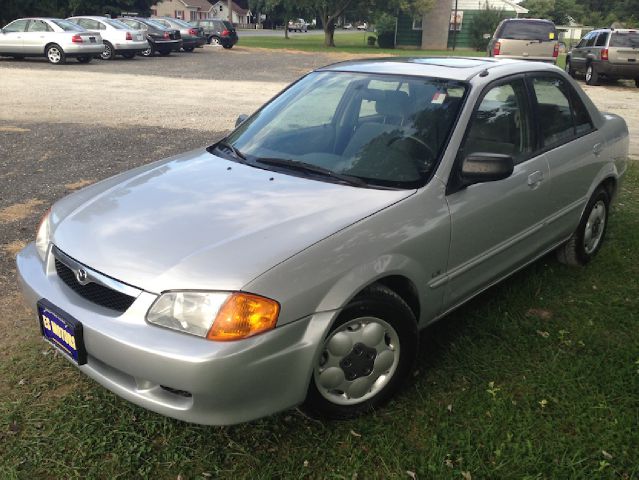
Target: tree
485,22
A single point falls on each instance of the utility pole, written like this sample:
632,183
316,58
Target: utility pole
230,7
455,27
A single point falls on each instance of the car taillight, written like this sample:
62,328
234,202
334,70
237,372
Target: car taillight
225,32
167,35
555,51
129,36
604,54
192,31
496,48
76,39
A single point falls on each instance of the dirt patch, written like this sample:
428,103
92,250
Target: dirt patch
19,211
12,249
79,184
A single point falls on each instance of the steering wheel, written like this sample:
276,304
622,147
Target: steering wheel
423,147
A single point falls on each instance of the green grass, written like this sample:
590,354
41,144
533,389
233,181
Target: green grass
536,378
345,42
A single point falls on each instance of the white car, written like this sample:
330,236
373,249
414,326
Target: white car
362,26
118,38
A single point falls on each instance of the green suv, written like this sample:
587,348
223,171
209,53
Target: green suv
609,53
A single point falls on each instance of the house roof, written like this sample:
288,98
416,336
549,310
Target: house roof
203,5
236,8
507,5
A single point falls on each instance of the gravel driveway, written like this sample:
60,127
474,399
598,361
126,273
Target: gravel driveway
64,127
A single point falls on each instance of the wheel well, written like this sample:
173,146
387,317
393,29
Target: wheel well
403,287
610,184
48,45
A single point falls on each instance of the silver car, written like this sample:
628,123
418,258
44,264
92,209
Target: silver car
53,38
295,261
118,38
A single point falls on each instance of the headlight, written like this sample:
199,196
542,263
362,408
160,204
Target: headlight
43,237
220,316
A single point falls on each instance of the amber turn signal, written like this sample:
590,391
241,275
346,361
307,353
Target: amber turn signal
244,315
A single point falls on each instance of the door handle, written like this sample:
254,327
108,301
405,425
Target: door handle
535,178
597,148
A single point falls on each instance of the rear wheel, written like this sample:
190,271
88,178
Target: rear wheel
107,53
84,59
147,53
366,356
189,49
591,77
164,53
128,55
228,46
55,54
215,41
584,244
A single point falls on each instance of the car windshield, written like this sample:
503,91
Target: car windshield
116,24
528,30
382,130
155,24
625,39
68,26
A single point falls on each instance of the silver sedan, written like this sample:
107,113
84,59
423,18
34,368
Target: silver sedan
295,261
53,38
118,38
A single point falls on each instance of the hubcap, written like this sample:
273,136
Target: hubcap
54,55
215,41
358,360
595,227
106,54
146,52
589,73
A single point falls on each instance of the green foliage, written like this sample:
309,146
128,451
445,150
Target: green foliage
385,23
485,22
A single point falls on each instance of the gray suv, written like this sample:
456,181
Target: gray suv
609,53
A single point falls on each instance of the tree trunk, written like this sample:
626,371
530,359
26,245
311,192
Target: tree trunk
329,32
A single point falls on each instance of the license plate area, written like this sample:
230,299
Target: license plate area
92,39
63,331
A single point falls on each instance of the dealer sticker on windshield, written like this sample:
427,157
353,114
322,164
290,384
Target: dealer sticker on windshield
63,331
438,98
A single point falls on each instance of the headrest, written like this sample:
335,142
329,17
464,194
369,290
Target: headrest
391,102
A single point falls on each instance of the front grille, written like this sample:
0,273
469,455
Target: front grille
93,292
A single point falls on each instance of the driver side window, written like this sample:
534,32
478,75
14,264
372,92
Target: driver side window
501,124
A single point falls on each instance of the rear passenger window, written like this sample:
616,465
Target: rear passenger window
590,40
601,39
501,123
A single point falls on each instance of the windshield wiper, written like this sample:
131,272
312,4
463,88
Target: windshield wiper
310,168
236,153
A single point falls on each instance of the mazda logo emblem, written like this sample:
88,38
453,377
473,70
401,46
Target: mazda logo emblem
82,276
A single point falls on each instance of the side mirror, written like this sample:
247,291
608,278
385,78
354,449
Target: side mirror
486,167
240,120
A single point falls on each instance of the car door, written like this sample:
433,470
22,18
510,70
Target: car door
571,146
578,56
497,226
12,37
36,37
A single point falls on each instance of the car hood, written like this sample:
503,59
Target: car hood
197,221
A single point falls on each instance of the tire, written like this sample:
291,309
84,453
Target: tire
584,244
84,59
164,53
129,55
637,82
148,52
55,54
374,343
189,49
569,70
591,76
108,53
215,41
228,46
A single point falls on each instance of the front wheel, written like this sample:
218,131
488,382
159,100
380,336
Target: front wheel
107,53
215,41
584,244
55,54
147,53
366,356
591,77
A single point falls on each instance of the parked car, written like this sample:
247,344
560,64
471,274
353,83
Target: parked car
192,36
297,25
348,26
117,37
607,53
53,38
526,39
218,32
294,261
161,39
362,26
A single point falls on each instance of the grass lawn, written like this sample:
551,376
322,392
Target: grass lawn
537,378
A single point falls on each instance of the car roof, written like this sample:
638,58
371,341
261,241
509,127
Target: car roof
452,68
544,20
92,17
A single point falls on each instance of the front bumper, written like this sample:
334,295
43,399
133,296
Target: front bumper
180,375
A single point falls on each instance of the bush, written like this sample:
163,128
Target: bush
385,26
370,40
485,22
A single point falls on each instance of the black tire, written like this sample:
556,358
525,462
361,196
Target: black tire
576,251
637,82
189,49
84,59
164,53
108,53
148,52
55,54
569,70
591,76
128,55
228,46
398,325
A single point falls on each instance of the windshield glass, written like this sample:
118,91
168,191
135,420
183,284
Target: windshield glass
68,26
155,24
528,30
116,24
182,23
386,130
624,39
